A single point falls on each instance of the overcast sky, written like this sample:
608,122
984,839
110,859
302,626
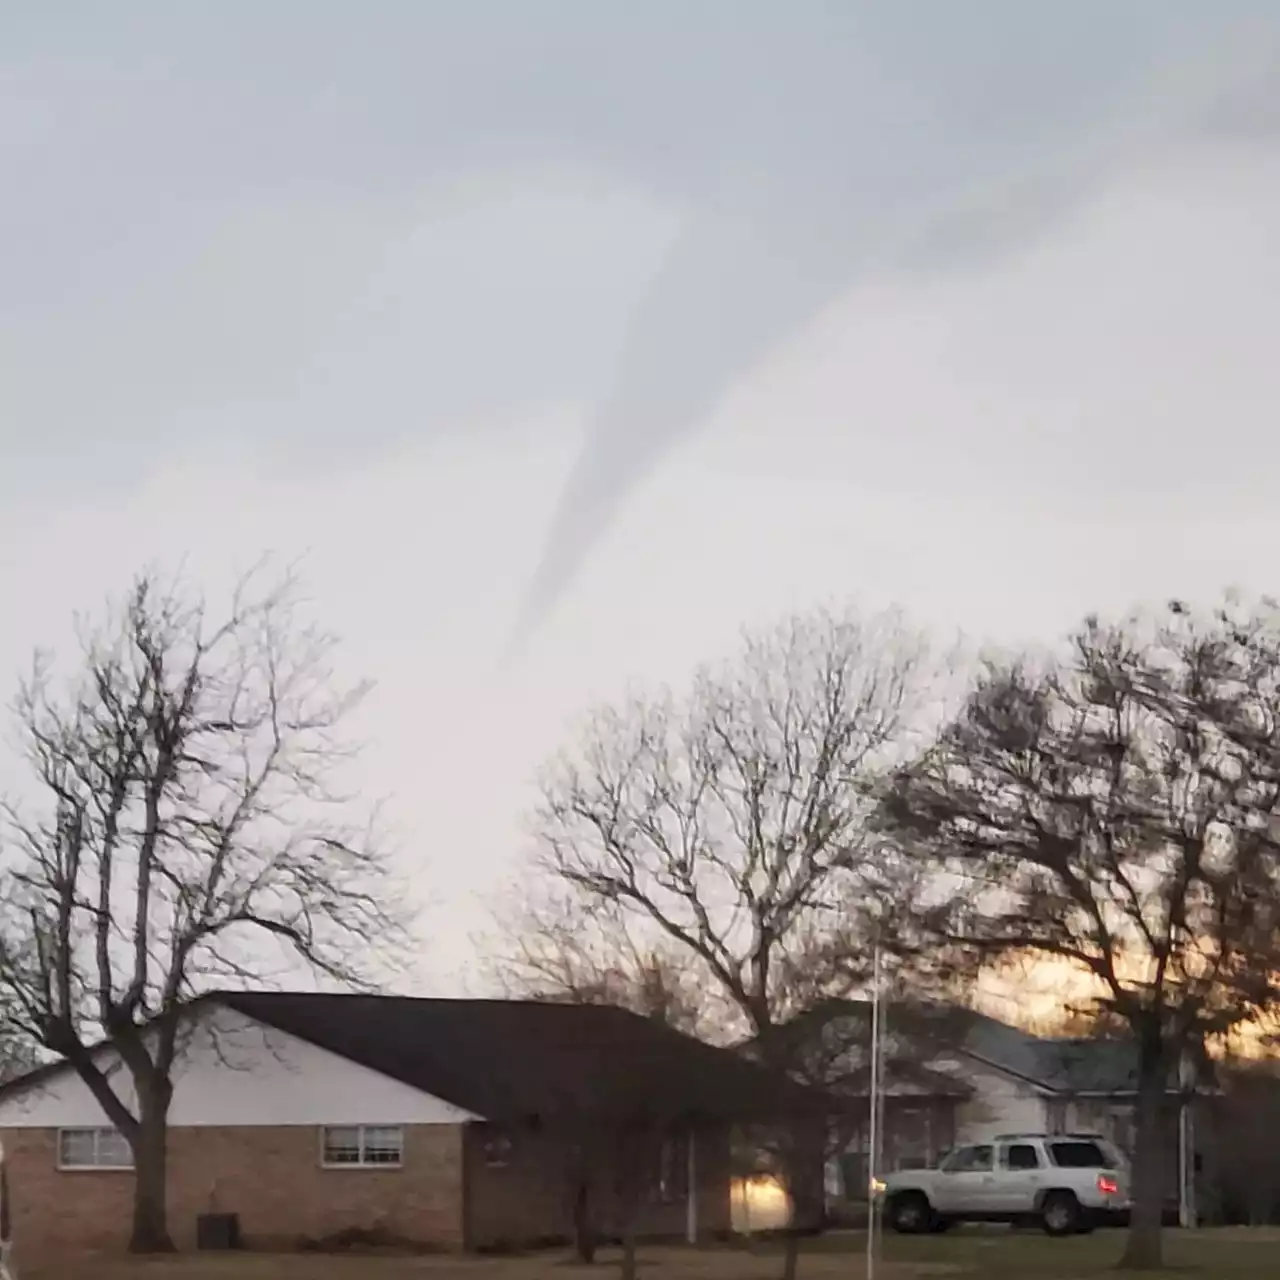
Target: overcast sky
565,337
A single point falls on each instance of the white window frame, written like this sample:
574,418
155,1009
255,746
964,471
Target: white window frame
98,1131
361,1131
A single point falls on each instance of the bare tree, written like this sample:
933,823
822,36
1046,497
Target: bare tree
19,1054
186,834
1117,809
732,823
549,949
609,1166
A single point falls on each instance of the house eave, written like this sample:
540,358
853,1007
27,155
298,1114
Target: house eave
1047,1089
1203,1091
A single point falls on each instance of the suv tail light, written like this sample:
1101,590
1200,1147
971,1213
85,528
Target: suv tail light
1107,1184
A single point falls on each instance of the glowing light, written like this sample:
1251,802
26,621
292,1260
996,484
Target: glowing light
759,1204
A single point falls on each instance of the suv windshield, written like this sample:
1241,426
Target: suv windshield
1081,1155
968,1160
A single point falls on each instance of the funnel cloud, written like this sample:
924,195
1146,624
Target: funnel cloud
336,229
930,176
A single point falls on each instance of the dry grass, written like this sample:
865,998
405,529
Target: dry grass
977,1255
657,1263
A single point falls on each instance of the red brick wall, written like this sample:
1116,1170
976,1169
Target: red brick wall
271,1177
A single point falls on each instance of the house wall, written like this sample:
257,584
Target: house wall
233,1072
244,1137
917,1131
1113,1117
245,1129
271,1176
530,1198
1000,1103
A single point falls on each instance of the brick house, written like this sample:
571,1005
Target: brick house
456,1123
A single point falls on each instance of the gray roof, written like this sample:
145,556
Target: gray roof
993,1041
1058,1065
1093,1066
1080,1065
525,1060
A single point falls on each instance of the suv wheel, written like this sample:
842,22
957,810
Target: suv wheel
910,1213
1060,1214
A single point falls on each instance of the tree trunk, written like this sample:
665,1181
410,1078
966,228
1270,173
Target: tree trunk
791,1254
805,1191
1144,1249
627,1206
628,1250
632,1154
584,1238
150,1232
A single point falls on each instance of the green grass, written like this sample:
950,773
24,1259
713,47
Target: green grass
959,1255
1228,1254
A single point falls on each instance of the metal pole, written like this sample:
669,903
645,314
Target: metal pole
6,1221
873,1121
882,1129
691,1190
1186,1149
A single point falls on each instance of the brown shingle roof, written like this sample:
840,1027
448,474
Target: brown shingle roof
517,1060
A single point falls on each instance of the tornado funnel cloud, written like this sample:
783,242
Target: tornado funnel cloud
753,270
725,298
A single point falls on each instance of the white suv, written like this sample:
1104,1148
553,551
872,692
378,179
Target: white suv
1067,1182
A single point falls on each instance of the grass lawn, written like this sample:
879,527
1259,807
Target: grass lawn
1232,1254
977,1255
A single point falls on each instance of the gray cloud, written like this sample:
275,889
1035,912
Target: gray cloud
726,298
338,226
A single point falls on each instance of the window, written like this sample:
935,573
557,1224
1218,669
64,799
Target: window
1079,1155
969,1160
93,1149
497,1151
1020,1156
363,1147
672,1179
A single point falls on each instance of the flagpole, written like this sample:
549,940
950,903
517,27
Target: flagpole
1186,1148
873,1124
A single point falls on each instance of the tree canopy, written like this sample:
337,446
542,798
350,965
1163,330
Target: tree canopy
1116,806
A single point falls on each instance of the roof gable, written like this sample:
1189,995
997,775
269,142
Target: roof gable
520,1060
234,1071
509,1060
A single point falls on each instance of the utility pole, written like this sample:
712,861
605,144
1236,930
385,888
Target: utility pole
1186,1143
876,1117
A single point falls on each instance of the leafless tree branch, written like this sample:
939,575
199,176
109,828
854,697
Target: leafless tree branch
1117,808
730,826
189,826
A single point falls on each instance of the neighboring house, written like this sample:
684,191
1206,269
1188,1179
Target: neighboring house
987,1078
453,1123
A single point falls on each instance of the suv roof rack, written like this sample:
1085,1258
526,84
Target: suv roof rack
1051,1137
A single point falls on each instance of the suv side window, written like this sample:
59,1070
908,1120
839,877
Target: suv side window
1020,1156
969,1160
1078,1155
